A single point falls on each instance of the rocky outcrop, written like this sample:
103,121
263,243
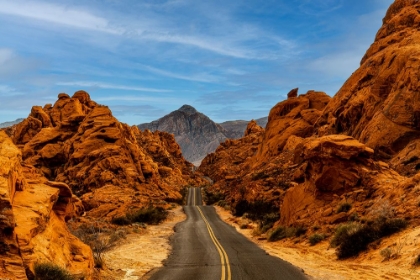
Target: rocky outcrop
294,116
378,104
33,212
78,142
196,134
360,147
236,129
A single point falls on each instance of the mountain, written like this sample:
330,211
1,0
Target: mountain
236,129
196,133
319,155
7,124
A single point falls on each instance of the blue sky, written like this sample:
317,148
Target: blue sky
145,58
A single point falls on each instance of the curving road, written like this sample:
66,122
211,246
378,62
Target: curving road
205,247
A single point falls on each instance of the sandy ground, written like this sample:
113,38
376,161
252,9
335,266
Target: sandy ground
141,252
320,261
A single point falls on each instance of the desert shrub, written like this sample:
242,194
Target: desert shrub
282,232
211,198
356,241
386,253
277,234
50,271
354,217
352,238
150,215
316,238
342,232
121,221
300,231
391,226
99,240
344,207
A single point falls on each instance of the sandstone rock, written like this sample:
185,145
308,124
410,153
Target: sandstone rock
31,225
379,104
293,93
285,119
87,148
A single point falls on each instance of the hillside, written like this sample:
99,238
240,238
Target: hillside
7,124
74,158
323,162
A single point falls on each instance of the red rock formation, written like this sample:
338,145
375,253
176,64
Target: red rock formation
295,116
376,113
379,104
80,143
33,211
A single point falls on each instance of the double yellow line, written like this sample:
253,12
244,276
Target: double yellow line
224,259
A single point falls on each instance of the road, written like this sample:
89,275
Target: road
204,247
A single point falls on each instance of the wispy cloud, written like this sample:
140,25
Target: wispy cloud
204,77
134,98
110,86
58,14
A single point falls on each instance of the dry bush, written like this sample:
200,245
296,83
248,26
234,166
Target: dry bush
99,240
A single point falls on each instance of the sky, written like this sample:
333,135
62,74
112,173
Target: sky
145,58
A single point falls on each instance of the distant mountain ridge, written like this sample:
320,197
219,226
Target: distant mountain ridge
196,133
7,124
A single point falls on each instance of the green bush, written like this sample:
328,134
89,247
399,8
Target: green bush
150,215
342,232
344,207
277,234
316,238
352,238
121,221
211,198
282,232
50,271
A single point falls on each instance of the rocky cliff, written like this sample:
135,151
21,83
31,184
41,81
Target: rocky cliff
379,103
74,158
33,214
196,133
359,148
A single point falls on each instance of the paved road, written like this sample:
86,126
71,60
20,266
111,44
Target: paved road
205,247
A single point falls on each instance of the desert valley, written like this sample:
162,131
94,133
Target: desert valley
328,183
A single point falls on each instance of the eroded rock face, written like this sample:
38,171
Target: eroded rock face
294,116
80,143
379,103
33,212
356,148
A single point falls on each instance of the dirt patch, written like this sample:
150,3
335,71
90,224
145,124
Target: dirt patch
142,250
320,261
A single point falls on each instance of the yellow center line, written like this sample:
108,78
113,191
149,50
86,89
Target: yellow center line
223,255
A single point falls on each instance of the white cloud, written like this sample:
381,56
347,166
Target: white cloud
109,86
57,14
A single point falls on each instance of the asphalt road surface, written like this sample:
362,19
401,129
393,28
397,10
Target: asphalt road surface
205,247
